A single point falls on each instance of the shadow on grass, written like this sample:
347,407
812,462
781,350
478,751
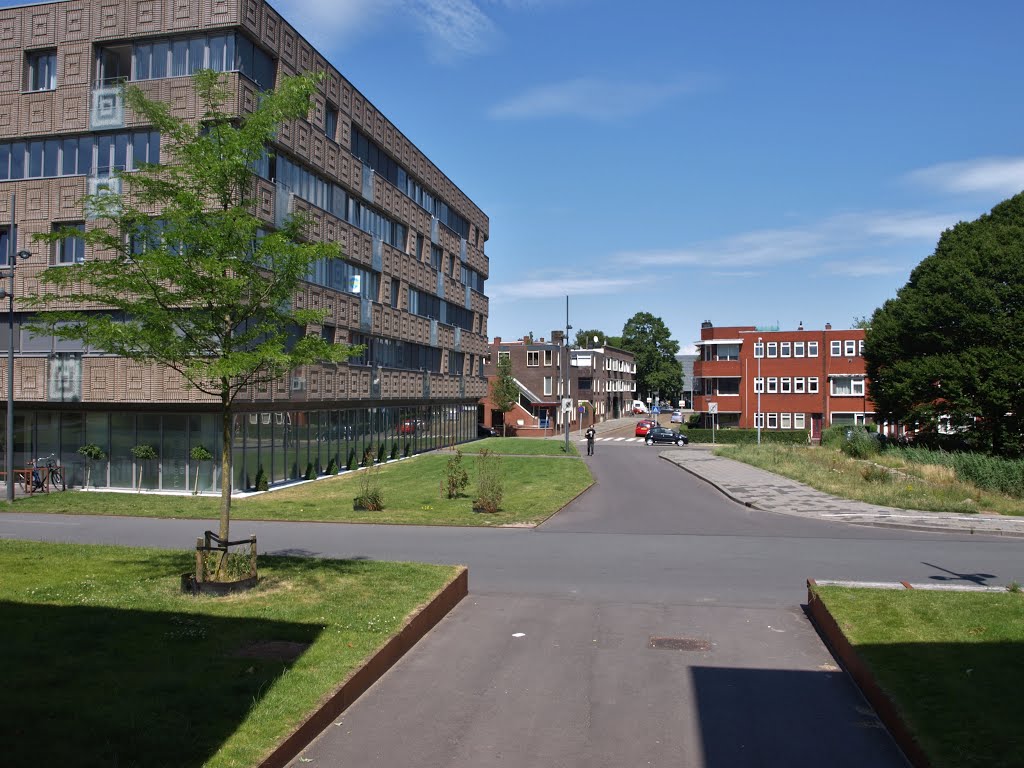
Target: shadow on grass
784,718
94,686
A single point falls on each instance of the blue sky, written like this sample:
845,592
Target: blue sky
745,163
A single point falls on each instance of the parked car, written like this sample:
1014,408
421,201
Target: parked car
665,435
677,417
643,426
409,426
482,430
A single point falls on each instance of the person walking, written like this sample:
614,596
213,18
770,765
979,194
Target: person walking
590,440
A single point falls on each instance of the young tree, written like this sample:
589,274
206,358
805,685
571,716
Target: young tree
657,369
200,288
950,343
504,390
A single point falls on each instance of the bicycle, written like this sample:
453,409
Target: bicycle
53,471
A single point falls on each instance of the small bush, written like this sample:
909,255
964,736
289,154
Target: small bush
382,451
407,451
332,466
490,485
456,478
873,473
368,456
858,443
310,472
262,483
371,495
748,436
394,451
351,463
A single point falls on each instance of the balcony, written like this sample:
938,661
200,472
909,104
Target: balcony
107,107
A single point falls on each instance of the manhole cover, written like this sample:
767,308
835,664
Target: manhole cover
276,650
680,644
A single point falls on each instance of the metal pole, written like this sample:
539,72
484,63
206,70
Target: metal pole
760,417
565,341
10,362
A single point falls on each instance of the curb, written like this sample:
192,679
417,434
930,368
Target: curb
861,674
370,672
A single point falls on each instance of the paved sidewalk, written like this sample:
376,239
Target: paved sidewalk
764,490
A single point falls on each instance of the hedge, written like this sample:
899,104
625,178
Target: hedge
749,436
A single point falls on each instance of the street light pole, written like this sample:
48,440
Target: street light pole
759,418
565,342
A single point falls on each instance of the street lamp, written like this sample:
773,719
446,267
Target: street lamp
759,417
8,271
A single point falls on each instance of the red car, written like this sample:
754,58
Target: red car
643,426
408,426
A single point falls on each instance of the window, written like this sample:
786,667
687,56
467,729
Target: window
547,357
74,155
40,70
786,420
727,351
773,421
759,349
547,385
396,290
799,385
851,348
5,238
784,349
786,385
773,349
533,358
812,384
837,348
860,347
503,356
758,384
436,257
773,384
71,249
331,122
842,386
758,420
728,386
798,421
798,349
812,349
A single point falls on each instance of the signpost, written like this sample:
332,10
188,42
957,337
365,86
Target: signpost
713,410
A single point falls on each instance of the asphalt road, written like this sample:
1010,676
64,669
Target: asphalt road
549,661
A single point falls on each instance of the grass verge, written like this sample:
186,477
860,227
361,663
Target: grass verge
886,480
535,488
521,446
107,663
949,661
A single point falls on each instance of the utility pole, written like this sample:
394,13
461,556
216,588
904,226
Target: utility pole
565,375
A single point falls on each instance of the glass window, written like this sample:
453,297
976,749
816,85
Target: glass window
141,61
159,62
331,122
547,385
71,249
18,160
758,384
35,159
836,348
812,384
841,385
40,70
786,420
798,421
851,348
773,421
773,384
5,161
5,243
728,386
533,358
728,351
799,385
860,347
812,349
798,349
773,349
179,58
784,349
759,420
785,385
85,145
69,157
196,54
759,349
547,357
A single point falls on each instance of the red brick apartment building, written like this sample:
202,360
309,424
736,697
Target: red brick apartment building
802,379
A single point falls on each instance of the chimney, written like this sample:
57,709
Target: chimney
497,339
541,339
706,324
828,326
801,326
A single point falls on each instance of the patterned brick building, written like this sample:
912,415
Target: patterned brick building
409,286
805,379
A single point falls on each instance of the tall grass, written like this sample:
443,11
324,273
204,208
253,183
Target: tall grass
990,473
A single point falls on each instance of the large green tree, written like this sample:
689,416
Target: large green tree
657,369
202,287
952,341
504,390
585,339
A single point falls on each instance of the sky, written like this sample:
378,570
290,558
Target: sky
743,163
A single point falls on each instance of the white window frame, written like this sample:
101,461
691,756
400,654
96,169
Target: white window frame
534,355
758,420
785,421
799,385
773,421
856,386
798,348
773,349
547,358
798,421
785,385
758,384
812,349
548,380
758,349
812,385
836,349
773,385
785,349
850,348
860,347
504,356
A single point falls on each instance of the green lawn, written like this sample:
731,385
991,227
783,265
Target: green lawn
910,485
535,488
107,663
950,661
522,446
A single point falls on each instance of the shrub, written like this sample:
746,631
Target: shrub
873,473
394,451
858,443
371,495
490,485
456,478
332,466
261,483
351,463
310,472
408,449
368,456
382,451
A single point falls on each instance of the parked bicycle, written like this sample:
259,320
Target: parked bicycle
54,472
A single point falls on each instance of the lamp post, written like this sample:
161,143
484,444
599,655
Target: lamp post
8,271
567,412
759,417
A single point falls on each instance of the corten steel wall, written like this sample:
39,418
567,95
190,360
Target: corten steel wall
74,29
822,367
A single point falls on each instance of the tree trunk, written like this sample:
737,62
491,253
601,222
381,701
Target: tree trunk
225,461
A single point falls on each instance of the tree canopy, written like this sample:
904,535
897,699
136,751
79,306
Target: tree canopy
657,369
204,286
585,339
504,390
952,341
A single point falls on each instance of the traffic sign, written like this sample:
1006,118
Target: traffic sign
712,407
656,410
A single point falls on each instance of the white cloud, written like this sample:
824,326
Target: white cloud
1000,175
857,268
459,26
559,285
589,98
850,233
330,23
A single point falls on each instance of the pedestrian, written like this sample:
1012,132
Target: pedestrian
590,440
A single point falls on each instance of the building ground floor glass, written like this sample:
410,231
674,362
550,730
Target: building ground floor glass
286,444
